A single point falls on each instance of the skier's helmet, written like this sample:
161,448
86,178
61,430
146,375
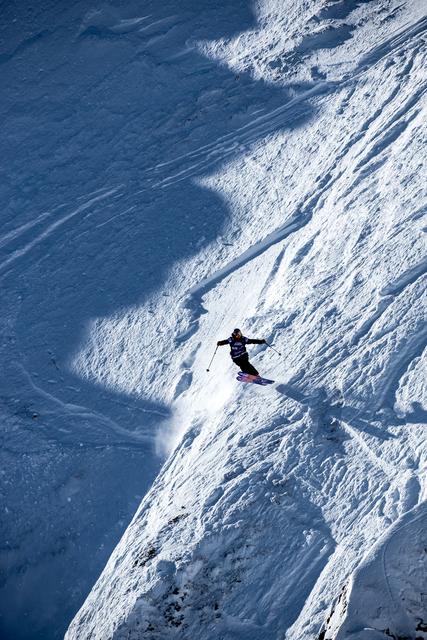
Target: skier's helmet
236,333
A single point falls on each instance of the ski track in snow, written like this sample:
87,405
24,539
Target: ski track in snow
50,229
77,411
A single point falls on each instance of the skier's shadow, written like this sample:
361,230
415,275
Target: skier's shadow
318,402
289,391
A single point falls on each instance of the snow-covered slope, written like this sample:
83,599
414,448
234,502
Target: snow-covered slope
171,171
387,589
272,497
96,98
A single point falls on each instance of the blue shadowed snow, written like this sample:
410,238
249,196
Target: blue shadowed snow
108,113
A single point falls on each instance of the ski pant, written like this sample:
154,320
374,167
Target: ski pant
244,364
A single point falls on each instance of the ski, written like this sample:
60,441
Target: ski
247,377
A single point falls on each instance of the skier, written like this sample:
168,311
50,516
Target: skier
238,353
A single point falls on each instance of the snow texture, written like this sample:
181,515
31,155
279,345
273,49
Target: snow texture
171,171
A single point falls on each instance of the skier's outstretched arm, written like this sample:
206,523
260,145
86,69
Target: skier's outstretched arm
221,343
255,341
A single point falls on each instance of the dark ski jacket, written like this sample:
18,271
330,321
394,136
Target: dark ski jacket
238,347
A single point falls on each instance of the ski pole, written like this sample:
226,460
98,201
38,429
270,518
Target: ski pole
269,345
212,358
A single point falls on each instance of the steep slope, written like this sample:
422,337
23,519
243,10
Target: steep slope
272,497
386,591
96,99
